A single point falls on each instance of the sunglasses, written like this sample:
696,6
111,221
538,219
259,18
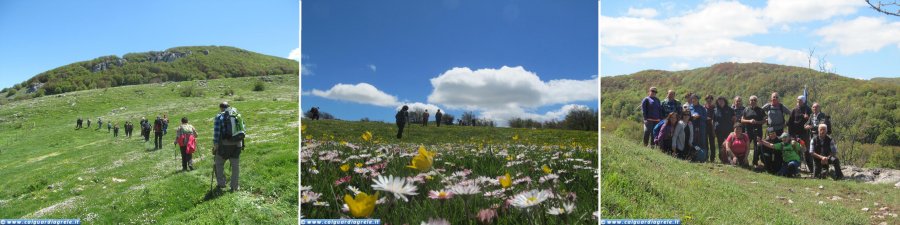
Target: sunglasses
654,91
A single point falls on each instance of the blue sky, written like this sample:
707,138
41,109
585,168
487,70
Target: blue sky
855,40
41,35
533,59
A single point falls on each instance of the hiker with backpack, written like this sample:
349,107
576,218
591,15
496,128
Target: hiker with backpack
78,123
145,129
165,124
736,146
663,136
116,130
652,113
99,123
401,118
88,122
790,153
775,112
683,137
437,117
228,142
109,127
157,133
185,138
823,150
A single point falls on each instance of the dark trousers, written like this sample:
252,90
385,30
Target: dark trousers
700,139
157,139
754,133
146,135
400,127
666,146
833,161
648,132
711,141
186,162
721,136
789,169
116,133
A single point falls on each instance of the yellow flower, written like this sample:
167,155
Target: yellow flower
509,158
367,136
343,143
358,165
361,206
546,169
428,177
308,137
303,128
506,180
516,138
345,167
423,160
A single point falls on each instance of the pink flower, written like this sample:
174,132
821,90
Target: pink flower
486,216
342,180
440,194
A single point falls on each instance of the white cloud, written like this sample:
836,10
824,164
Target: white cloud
419,106
359,93
636,32
507,87
780,11
508,92
502,117
642,12
727,49
372,67
295,54
861,34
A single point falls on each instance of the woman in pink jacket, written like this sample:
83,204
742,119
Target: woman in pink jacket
186,138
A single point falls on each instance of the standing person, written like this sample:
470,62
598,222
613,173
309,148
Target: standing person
670,104
437,117
78,123
145,129
315,113
775,112
225,149
185,137
664,138
652,112
738,108
127,129
790,154
108,126
736,146
753,118
99,123
797,127
724,123
710,106
116,130
401,118
165,124
817,117
425,117
699,114
89,122
824,152
157,133
683,137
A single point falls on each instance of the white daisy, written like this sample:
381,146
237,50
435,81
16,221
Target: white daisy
529,198
317,203
465,189
353,189
436,222
565,209
396,185
309,196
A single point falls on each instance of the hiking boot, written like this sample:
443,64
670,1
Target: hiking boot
191,167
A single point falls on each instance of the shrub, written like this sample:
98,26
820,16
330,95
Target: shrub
191,91
259,86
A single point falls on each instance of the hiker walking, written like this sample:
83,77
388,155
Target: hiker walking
99,123
157,133
425,117
185,138
315,113
108,127
165,124
145,129
88,122
226,146
437,117
78,123
824,152
401,118
116,130
652,112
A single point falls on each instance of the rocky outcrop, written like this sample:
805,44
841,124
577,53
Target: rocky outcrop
166,56
872,175
107,63
34,87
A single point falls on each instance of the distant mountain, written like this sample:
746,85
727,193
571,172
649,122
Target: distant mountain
864,110
173,64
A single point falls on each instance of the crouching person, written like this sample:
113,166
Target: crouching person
790,154
824,153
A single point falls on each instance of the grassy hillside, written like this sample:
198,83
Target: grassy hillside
48,169
483,151
173,64
638,182
862,111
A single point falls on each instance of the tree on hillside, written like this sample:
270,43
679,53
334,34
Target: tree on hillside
582,119
447,119
468,118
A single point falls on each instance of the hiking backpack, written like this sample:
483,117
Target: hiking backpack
232,125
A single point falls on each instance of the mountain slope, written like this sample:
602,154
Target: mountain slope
638,182
173,64
49,169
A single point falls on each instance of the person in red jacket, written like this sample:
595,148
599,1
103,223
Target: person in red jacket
186,138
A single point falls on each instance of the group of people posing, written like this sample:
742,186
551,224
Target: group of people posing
698,132
224,148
